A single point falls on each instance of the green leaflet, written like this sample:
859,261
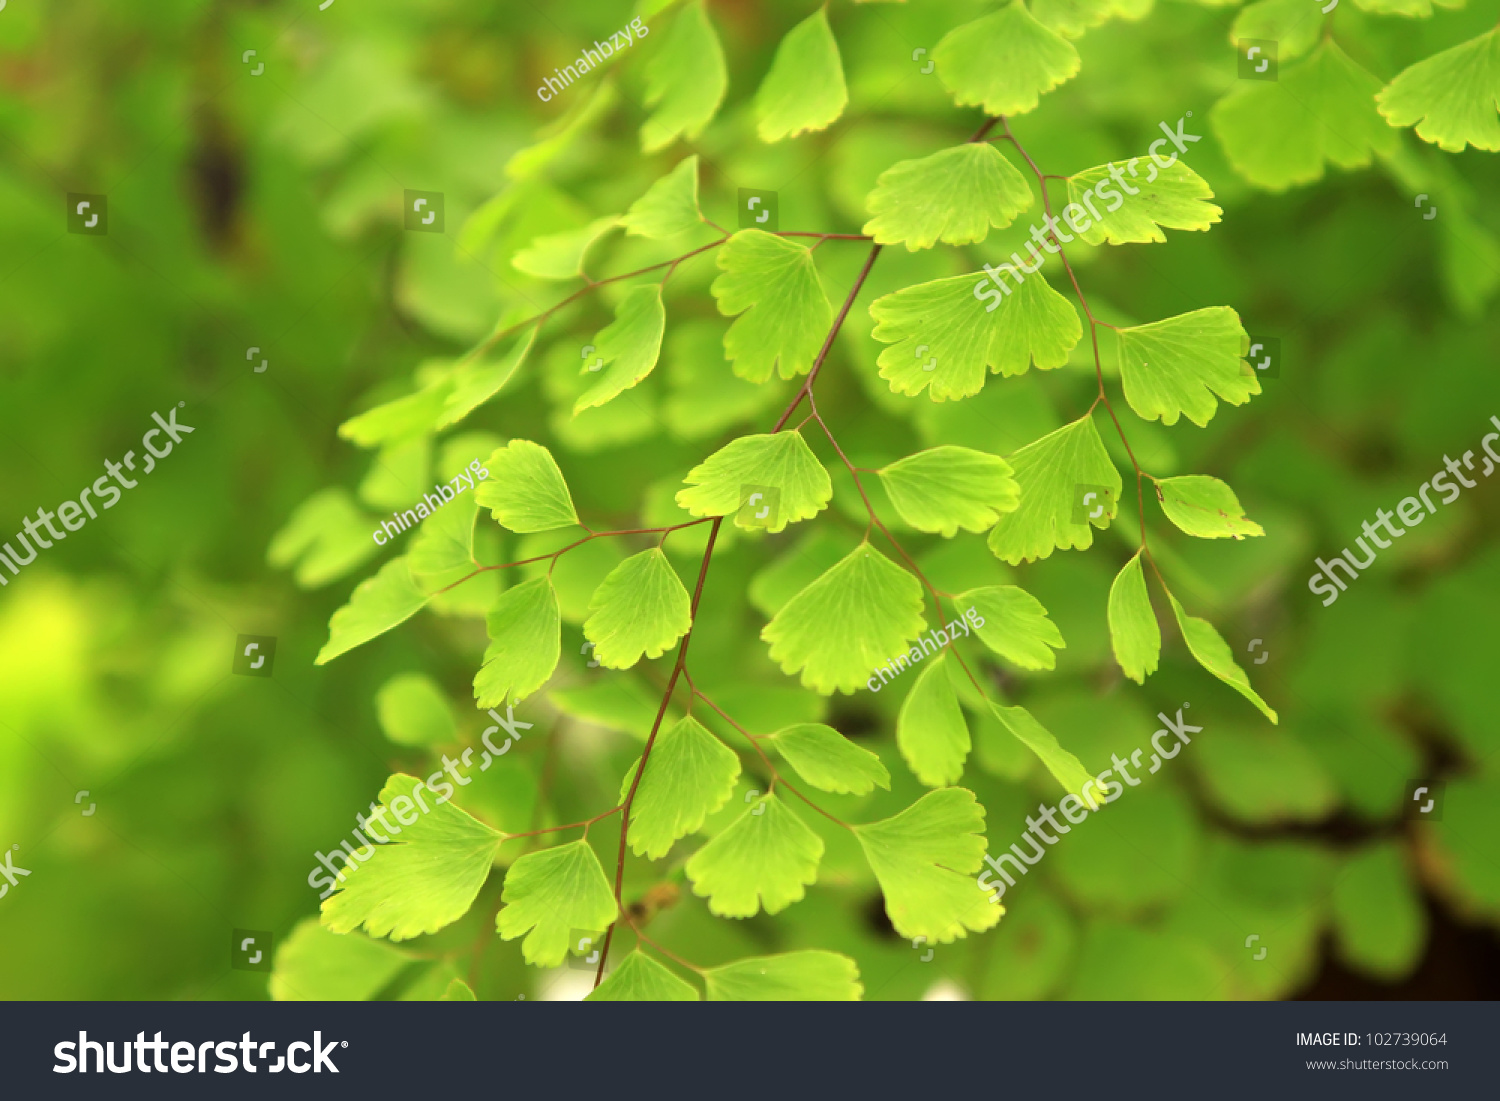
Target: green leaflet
558,136
853,618
1066,769
953,196
426,878
707,397
1179,365
771,287
458,991
1050,473
639,610
807,976
946,488
442,550
1291,24
1014,625
930,729
805,88
1072,17
941,337
925,859
561,255
397,421
1003,62
829,761
1213,653
1378,916
639,978
1133,630
1413,9
550,893
315,965
618,703
780,462
765,859
1174,197
669,206
377,604
685,80
818,551
524,631
413,711
628,347
330,536
1451,96
690,775
397,473
1281,133
1205,507
477,383
525,490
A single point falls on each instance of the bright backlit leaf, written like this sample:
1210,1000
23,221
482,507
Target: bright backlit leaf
316,965
639,978
1179,365
1066,768
1054,473
771,287
1281,133
781,462
685,81
550,893
690,775
946,488
925,859
953,196
1214,654
765,859
442,550
1004,61
1015,625
805,88
524,631
829,761
853,618
1292,24
670,205
1174,197
426,878
628,347
941,337
476,383
561,255
930,729
1133,630
413,711
1205,507
639,610
377,604
807,976
328,534
1452,97
525,490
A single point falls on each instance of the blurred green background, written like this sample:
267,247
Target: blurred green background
265,211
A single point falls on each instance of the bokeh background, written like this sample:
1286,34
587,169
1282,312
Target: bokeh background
265,211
